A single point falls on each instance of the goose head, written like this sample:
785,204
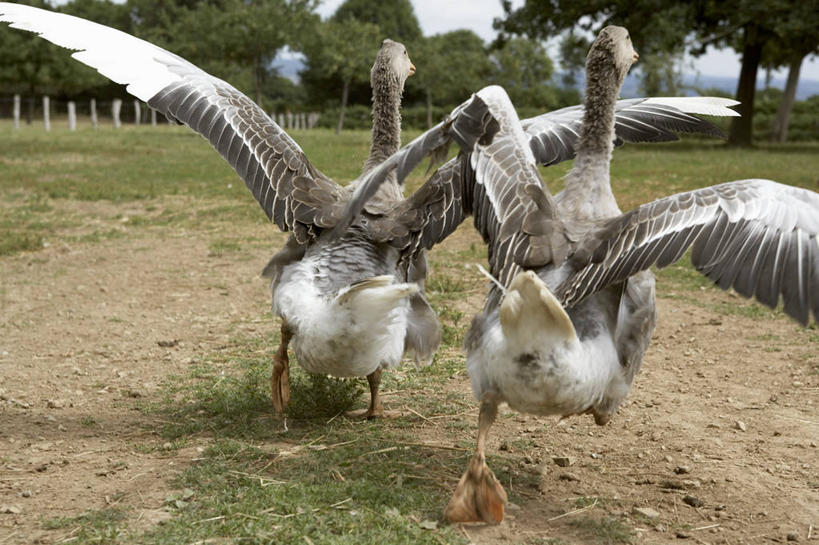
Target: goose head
613,47
392,63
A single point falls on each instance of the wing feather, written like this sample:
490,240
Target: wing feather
239,130
756,236
553,135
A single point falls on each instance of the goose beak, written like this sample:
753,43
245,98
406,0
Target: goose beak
412,69
636,56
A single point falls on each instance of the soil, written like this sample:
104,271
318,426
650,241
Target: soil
720,436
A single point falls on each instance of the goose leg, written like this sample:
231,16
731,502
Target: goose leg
280,378
479,497
376,410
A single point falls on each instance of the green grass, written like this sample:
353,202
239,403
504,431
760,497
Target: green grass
264,479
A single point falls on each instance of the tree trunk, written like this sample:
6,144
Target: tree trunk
783,113
344,93
742,127
429,108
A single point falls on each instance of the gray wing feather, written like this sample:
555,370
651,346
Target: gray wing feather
467,124
758,237
554,135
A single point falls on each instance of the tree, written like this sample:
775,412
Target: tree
523,68
395,18
345,49
795,39
455,65
235,40
658,26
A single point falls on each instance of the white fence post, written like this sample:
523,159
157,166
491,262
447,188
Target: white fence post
46,113
72,116
289,119
137,113
303,120
280,120
116,106
153,117
16,112
94,119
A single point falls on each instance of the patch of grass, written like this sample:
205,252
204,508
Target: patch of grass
444,283
88,421
353,493
12,242
313,395
102,526
606,531
222,246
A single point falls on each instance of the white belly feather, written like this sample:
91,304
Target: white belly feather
349,333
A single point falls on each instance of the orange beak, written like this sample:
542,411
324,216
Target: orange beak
636,56
412,69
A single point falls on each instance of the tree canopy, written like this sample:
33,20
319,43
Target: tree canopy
666,28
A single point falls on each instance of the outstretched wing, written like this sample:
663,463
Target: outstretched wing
291,191
554,135
468,124
497,181
756,236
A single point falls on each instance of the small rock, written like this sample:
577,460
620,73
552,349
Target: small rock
54,404
504,446
26,493
428,524
719,508
647,512
682,470
792,536
568,477
692,501
682,535
740,425
10,510
668,458
168,344
692,483
563,461
528,459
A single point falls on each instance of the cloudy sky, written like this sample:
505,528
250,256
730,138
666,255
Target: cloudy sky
438,16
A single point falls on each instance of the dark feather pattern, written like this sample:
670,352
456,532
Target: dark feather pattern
748,235
554,135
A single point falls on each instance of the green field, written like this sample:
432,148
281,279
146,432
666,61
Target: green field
248,486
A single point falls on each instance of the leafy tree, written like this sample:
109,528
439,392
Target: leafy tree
395,18
657,26
524,69
454,65
346,49
796,38
235,40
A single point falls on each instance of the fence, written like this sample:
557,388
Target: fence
136,112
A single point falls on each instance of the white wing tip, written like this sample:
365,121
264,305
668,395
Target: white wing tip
716,106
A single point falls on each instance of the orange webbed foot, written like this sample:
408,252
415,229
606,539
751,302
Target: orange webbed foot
479,497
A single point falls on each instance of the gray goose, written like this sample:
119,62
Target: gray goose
350,301
571,312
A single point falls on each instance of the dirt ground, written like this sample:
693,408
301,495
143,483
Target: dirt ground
720,437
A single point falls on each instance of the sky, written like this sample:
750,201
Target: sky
438,16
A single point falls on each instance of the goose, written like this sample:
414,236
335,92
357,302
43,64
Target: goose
351,303
571,309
